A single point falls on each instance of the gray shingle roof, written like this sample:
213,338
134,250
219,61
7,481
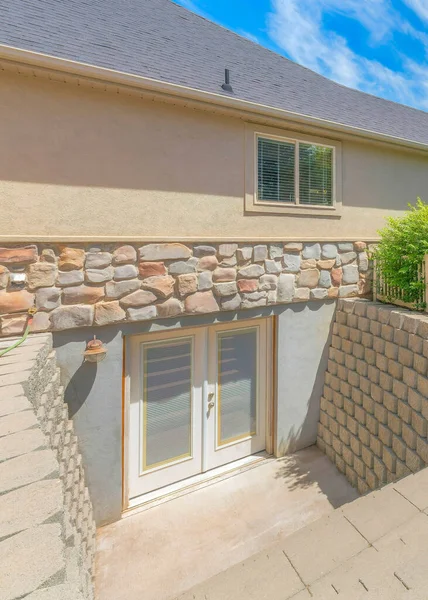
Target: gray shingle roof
161,40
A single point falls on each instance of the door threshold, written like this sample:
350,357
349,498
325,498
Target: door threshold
192,484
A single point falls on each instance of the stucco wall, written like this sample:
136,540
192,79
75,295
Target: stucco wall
82,162
303,342
94,392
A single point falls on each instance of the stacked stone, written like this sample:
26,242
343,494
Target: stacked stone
374,410
75,286
45,548
52,414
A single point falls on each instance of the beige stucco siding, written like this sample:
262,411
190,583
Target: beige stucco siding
92,164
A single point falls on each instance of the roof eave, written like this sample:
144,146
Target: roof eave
129,80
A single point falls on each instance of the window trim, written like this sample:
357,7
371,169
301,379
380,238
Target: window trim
252,204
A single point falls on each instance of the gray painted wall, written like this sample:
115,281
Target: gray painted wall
303,338
94,392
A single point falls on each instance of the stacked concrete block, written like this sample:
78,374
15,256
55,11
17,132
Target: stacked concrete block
374,410
47,531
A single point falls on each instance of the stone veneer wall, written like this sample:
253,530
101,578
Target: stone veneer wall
77,286
374,410
47,533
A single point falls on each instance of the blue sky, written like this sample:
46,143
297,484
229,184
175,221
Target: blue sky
378,46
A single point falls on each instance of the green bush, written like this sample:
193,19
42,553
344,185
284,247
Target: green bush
400,254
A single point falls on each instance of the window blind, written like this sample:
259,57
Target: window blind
315,175
276,162
167,397
237,385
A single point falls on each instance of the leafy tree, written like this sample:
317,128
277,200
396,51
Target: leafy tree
400,254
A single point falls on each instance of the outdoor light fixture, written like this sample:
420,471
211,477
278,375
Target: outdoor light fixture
95,351
17,278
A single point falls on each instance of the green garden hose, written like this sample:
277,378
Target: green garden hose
24,337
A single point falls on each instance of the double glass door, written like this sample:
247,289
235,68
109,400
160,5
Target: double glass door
197,401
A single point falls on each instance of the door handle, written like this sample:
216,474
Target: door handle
211,402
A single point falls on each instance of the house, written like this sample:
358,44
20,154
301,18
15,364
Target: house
198,203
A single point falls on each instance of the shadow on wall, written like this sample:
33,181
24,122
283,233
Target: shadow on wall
303,436
311,467
79,387
77,376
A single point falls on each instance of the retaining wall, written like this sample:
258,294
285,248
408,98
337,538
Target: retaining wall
374,409
47,533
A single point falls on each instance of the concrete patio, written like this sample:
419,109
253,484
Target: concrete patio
161,552
373,548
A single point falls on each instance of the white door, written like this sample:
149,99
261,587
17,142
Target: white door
236,407
197,401
165,413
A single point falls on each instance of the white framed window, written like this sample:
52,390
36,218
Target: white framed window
288,173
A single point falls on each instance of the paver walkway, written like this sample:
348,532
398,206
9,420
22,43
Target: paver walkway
375,547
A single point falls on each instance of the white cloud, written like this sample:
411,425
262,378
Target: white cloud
298,27
375,15
420,7
248,35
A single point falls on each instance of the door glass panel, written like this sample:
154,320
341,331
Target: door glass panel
237,385
167,402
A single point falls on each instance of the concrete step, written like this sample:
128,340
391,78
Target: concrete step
13,404
16,422
26,469
41,344
39,502
22,442
36,352
31,559
65,591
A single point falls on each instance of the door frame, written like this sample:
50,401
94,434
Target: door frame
271,395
